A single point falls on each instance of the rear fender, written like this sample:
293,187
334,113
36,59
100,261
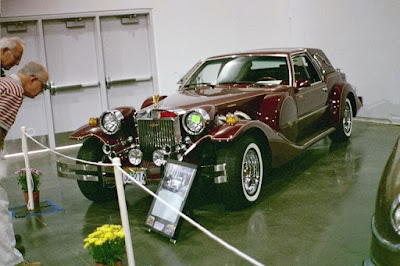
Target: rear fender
338,95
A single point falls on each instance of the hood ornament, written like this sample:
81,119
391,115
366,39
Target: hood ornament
156,99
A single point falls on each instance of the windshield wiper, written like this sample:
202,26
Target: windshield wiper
236,82
200,84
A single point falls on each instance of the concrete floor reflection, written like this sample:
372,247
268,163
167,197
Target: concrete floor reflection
316,210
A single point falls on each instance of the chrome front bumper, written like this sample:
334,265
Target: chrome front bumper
88,172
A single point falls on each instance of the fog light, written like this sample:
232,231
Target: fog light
135,156
107,149
159,157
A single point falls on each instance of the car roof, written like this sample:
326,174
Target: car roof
285,51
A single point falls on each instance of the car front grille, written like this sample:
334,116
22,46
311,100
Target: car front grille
156,133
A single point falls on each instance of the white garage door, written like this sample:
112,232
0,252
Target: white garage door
96,62
125,41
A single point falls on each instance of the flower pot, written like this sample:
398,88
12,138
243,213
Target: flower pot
118,263
36,197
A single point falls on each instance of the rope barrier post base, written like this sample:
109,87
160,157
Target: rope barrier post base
31,205
123,210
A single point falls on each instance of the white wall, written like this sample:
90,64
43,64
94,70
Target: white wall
359,36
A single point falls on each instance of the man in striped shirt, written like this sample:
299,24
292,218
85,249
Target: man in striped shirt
29,81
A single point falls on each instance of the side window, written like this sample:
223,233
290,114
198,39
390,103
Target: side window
305,70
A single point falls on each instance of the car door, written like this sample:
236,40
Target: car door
311,95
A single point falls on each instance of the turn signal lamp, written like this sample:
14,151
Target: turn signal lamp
93,121
231,119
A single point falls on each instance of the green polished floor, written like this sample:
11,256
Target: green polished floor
314,211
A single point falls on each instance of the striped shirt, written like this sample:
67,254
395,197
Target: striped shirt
11,96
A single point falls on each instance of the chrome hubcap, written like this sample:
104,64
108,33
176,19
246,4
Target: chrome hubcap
347,118
251,172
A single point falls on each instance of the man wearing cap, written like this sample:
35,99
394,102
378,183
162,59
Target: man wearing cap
29,81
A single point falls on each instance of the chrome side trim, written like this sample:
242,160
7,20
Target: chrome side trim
383,242
321,110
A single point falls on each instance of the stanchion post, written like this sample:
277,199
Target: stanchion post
31,204
123,211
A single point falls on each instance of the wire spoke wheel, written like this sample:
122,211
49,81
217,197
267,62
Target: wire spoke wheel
244,161
251,172
347,118
344,130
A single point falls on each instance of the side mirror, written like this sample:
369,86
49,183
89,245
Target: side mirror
302,83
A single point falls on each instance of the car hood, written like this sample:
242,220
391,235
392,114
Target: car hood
218,96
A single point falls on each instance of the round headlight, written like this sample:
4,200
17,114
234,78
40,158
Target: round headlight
395,214
159,157
194,121
135,156
110,121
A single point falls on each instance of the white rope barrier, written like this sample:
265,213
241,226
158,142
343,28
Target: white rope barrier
123,210
30,205
198,226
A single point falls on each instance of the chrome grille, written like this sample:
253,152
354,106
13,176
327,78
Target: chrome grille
155,133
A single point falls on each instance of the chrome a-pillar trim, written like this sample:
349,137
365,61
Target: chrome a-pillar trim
383,242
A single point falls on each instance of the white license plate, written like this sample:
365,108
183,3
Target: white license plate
139,176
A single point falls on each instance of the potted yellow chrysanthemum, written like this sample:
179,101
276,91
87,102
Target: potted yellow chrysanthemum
106,244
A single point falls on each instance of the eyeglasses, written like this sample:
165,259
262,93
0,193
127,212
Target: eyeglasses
44,85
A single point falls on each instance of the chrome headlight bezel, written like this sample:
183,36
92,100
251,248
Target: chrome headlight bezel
111,121
395,214
135,156
194,121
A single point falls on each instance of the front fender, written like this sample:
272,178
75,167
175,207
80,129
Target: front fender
226,133
90,131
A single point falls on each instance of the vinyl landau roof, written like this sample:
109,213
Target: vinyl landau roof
268,51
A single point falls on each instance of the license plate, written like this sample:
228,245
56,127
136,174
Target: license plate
139,175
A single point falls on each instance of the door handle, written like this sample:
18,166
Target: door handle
54,89
110,82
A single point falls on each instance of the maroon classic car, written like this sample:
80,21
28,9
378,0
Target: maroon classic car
235,116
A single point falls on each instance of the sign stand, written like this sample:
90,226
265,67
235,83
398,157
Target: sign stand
174,188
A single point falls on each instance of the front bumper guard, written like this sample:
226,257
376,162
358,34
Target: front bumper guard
85,172
89,172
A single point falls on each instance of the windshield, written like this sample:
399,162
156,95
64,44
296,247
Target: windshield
242,69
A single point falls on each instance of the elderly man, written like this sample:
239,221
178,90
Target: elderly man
11,50
29,81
